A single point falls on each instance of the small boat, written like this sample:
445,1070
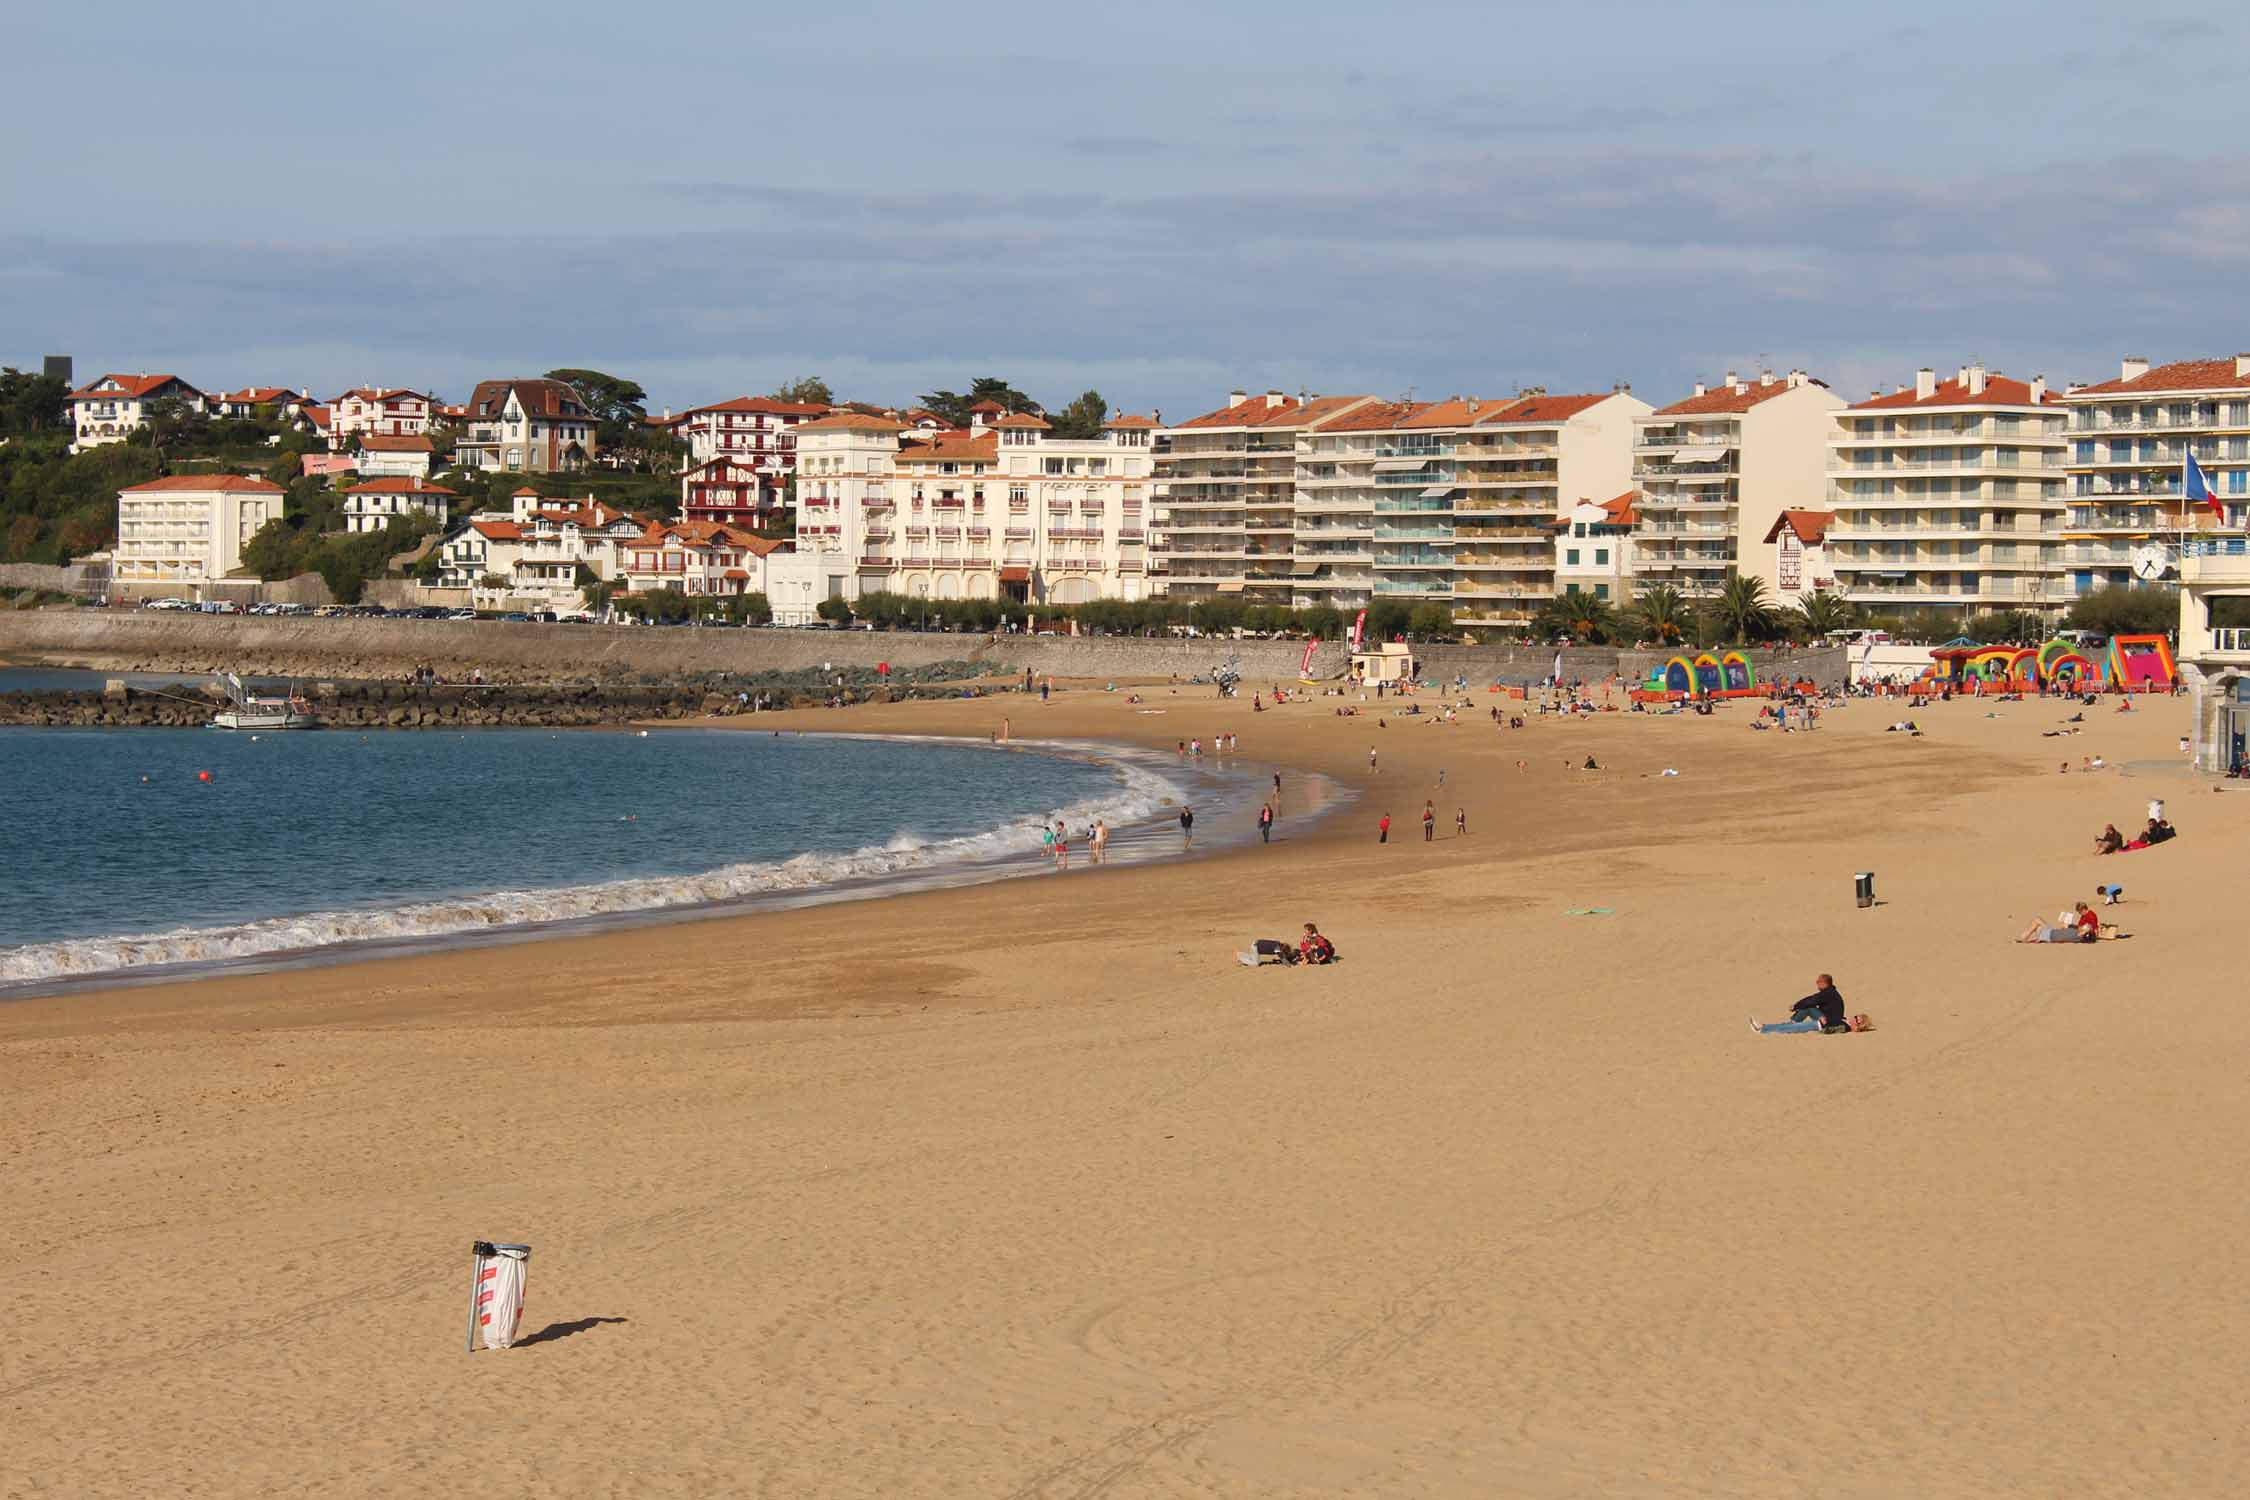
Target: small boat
245,710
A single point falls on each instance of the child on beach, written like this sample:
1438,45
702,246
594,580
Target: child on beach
1461,823
1383,830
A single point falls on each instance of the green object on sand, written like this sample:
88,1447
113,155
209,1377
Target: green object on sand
1591,911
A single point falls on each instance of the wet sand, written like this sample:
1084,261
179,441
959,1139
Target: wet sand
1030,1190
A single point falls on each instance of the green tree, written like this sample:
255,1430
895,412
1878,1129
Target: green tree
2004,625
1821,612
1387,618
2126,611
1083,418
1741,611
954,405
807,390
750,609
1430,619
616,404
1663,615
835,611
32,404
1581,614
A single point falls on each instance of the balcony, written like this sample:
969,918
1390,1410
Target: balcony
1425,477
1419,590
2088,419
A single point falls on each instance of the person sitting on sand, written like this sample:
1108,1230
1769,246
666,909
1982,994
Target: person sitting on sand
2110,840
2069,927
1822,1010
1313,948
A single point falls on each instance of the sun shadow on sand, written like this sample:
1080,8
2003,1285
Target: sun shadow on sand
553,1331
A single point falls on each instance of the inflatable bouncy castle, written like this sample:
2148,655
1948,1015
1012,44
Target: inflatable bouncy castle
2142,663
1705,675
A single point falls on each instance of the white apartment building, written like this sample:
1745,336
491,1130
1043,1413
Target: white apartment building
1949,495
1226,499
2128,442
1518,466
115,406
1593,548
178,535
374,504
376,411
1718,467
1344,489
1003,511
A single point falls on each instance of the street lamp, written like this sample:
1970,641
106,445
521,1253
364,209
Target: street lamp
922,592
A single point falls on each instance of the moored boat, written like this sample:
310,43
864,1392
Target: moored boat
246,710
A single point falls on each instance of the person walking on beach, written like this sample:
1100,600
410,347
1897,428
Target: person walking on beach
1383,830
1265,822
1429,821
1187,829
1047,842
1461,823
1062,848
1371,758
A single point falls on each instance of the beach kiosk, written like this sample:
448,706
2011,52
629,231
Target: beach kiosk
1390,661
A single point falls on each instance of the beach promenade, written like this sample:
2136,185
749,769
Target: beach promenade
1029,1190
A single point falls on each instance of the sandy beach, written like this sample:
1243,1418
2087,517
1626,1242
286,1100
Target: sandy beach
1030,1190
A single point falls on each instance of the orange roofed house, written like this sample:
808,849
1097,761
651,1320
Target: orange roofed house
1948,495
377,411
113,407
756,437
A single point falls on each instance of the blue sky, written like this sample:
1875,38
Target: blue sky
1158,201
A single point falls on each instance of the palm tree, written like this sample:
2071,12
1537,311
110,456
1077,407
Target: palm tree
1581,614
1820,613
1741,610
1661,613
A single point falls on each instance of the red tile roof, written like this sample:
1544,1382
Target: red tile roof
851,421
258,395
319,416
378,443
947,447
205,484
1621,511
544,399
2184,375
763,404
1810,525
129,386
1725,399
380,393
497,531
1998,391
1124,420
1021,419
1544,408
1378,416
398,486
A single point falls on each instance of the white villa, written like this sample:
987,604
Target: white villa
377,412
372,505
113,407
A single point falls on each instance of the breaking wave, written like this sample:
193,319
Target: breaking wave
1014,849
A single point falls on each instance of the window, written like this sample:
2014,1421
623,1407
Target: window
1601,591
1053,466
1570,557
1601,556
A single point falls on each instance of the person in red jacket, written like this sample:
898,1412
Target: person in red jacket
1383,830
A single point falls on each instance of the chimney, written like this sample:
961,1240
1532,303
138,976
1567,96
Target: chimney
1236,398
1471,406
2038,389
1796,378
1925,383
1730,380
1274,400
1961,377
1765,377
2241,365
1976,380
1699,387
2134,367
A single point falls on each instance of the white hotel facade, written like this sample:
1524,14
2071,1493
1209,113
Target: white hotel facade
179,535
1949,495
1002,511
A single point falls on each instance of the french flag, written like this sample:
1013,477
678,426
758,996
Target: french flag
2197,486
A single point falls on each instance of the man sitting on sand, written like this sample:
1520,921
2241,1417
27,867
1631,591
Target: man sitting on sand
2109,841
1822,1010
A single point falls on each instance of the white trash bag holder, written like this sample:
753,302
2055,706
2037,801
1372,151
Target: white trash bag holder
496,1282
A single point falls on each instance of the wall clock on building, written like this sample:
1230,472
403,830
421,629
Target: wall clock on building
2151,561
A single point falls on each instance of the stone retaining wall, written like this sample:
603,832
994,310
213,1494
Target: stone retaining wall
131,640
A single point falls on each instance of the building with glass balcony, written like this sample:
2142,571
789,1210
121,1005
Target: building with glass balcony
1722,465
1949,495
2128,443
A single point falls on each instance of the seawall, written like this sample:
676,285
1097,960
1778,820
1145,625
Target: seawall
140,640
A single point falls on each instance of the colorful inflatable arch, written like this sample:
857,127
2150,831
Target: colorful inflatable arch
2142,663
1705,675
2061,664
1678,676
1737,673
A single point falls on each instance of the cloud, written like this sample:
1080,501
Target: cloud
1567,266
1116,145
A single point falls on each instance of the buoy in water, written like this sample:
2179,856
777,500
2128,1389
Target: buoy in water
203,776
644,734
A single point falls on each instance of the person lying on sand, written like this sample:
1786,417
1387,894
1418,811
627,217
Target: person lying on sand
2078,925
1822,1010
1311,949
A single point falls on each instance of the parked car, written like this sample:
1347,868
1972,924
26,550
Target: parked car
515,617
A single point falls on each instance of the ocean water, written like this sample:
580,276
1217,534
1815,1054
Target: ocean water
121,858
